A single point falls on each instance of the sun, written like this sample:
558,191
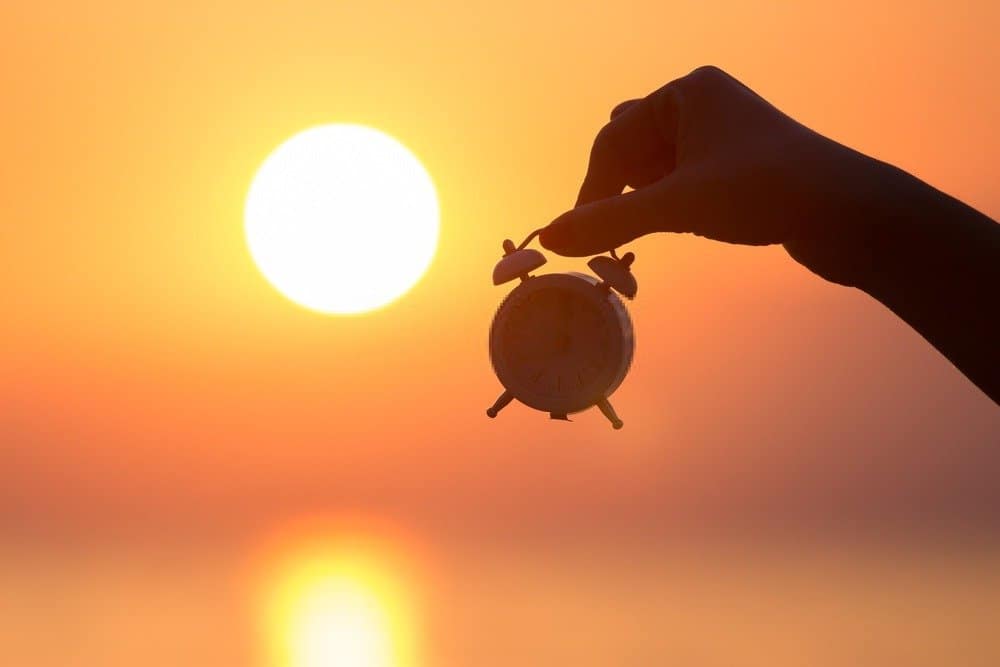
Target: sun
342,219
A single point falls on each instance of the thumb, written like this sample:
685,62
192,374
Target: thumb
604,224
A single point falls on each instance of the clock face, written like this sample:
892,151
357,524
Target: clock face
559,343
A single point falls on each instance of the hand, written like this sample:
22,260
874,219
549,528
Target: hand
707,155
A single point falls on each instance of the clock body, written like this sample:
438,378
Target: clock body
561,342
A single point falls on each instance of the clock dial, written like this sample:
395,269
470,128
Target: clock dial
556,337
561,342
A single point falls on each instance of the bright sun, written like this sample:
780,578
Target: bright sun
342,219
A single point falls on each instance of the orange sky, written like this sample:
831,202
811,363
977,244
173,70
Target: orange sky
148,370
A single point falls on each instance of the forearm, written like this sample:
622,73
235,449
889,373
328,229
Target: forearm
935,262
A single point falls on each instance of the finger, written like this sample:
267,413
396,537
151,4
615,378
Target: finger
650,170
639,135
601,225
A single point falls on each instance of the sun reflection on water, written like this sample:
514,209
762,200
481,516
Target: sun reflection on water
338,600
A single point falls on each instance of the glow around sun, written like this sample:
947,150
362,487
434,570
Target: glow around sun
342,219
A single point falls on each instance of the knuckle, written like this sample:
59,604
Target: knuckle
622,107
706,76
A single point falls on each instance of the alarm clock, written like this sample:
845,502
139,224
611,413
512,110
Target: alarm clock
561,342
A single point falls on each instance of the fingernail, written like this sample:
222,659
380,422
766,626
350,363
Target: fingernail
559,234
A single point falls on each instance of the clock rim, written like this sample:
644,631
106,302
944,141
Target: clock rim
611,306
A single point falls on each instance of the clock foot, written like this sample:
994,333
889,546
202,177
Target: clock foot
500,404
559,415
609,412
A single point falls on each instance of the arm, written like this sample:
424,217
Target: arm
935,262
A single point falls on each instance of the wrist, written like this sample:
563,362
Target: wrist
917,233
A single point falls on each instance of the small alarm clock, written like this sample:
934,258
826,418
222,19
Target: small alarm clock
562,342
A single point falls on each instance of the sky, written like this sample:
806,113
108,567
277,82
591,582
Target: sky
170,423
151,376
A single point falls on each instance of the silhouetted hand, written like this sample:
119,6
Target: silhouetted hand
707,155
